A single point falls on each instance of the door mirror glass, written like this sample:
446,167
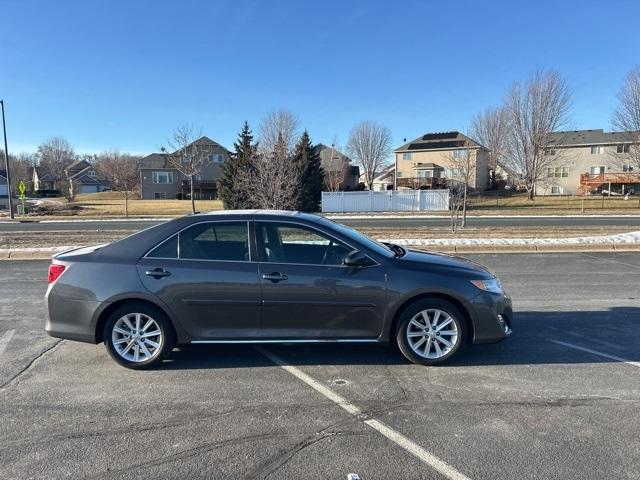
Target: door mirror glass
356,259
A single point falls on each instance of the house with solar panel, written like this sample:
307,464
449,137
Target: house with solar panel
429,161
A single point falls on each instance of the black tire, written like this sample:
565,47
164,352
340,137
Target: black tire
168,337
411,311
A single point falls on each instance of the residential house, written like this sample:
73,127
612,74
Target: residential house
382,181
430,161
83,178
161,180
3,183
42,180
589,161
339,174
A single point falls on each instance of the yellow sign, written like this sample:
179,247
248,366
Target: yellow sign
22,187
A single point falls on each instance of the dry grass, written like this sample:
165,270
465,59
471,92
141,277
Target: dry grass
108,204
553,205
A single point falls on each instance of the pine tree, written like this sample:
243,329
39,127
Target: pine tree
311,174
231,187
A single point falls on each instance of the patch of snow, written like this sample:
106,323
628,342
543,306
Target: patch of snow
624,238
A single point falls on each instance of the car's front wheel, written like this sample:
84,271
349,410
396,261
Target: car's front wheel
138,335
430,331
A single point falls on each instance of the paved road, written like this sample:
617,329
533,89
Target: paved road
399,223
526,408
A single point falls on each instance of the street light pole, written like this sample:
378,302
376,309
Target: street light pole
6,161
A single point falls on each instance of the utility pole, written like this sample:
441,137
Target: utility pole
6,162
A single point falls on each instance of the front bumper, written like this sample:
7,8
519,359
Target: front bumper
492,318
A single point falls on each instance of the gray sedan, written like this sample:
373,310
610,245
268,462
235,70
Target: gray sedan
265,276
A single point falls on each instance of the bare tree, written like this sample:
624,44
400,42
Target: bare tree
123,172
55,155
535,110
189,155
370,146
626,118
491,129
462,166
278,126
334,164
277,176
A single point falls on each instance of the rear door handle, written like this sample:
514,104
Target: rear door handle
157,273
275,277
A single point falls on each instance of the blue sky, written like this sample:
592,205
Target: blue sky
123,74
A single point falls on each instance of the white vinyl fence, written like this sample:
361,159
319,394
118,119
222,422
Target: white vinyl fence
388,201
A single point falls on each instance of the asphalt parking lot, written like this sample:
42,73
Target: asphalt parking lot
559,399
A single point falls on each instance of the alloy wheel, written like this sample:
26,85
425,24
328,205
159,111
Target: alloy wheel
432,333
136,337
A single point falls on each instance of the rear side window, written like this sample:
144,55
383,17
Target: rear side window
215,241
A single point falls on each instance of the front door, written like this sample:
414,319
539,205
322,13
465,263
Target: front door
209,280
308,293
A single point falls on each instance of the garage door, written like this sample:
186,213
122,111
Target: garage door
88,189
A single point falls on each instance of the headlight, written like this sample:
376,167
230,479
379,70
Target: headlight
493,285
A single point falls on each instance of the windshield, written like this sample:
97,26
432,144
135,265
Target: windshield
360,238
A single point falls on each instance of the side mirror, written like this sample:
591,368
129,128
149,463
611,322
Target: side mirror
356,259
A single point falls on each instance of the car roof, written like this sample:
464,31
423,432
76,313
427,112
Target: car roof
255,213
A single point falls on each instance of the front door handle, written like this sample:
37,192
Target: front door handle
157,272
275,277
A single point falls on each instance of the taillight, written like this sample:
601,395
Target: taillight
55,271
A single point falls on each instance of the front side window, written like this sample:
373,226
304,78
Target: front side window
162,177
285,243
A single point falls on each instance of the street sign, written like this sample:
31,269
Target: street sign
22,188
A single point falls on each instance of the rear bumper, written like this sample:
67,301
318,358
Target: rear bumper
492,319
70,319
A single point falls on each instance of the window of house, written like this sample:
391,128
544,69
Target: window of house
399,174
558,172
622,148
286,243
91,173
597,149
551,152
459,154
160,195
215,241
627,167
597,170
162,177
556,190
216,158
406,156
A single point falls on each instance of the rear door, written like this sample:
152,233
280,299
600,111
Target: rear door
308,293
208,276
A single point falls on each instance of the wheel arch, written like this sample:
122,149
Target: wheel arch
468,321
103,315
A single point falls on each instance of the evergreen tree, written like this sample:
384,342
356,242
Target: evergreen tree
232,187
307,160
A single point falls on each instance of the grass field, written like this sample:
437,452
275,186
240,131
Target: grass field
548,205
111,204
107,204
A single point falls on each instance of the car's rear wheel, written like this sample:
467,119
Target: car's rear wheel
430,331
138,335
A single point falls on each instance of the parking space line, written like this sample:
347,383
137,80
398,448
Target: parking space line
595,352
391,434
4,340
